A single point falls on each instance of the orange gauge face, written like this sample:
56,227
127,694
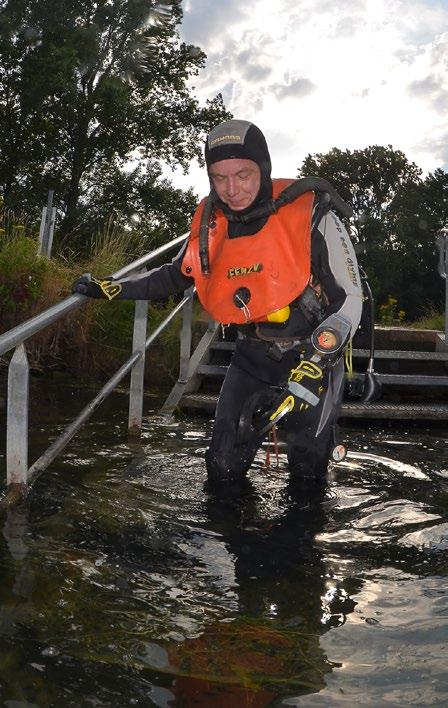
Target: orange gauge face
327,340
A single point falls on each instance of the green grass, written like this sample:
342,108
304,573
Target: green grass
431,320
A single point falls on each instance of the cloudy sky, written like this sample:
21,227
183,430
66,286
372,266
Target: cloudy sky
317,74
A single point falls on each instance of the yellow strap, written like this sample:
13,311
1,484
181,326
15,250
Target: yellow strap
289,401
349,358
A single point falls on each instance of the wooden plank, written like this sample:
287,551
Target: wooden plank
397,411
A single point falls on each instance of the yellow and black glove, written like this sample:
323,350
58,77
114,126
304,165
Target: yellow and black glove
304,390
305,384
99,289
265,409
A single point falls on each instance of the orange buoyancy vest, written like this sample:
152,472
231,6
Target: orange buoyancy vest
270,268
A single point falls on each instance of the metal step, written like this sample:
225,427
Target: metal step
398,411
412,380
227,346
400,354
365,353
387,379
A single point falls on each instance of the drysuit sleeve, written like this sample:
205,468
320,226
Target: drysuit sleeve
158,283
335,267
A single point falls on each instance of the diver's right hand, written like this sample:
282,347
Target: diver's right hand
99,289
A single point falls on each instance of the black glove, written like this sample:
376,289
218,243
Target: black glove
99,289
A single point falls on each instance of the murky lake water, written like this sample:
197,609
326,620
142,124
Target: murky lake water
126,582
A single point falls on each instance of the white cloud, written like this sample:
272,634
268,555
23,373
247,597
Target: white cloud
321,73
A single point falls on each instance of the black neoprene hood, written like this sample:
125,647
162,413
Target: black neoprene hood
238,139
241,139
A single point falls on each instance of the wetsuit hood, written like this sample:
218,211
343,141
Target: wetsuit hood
241,139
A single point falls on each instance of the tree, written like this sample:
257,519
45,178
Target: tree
366,179
397,214
416,216
87,85
143,200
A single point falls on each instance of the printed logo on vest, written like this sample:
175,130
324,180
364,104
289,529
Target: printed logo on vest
244,270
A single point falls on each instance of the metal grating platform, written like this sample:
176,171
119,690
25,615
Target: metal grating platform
220,370
386,410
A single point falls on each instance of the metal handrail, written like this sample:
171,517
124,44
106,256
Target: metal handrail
19,477
15,336
44,460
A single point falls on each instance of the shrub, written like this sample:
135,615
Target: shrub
22,274
389,313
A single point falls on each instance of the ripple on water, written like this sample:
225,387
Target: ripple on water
433,538
398,512
140,579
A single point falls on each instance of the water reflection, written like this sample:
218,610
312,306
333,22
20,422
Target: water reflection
287,598
129,577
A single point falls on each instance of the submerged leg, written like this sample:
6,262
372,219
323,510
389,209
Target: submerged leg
225,459
310,435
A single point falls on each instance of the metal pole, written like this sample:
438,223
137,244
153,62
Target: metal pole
18,334
55,448
17,421
51,231
446,286
185,337
442,244
184,356
138,371
47,226
43,221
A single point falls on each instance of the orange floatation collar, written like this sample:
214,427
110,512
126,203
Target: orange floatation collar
252,276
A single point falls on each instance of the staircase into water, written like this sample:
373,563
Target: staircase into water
414,381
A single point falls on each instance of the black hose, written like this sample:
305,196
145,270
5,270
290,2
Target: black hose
288,195
203,235
372,386
292,192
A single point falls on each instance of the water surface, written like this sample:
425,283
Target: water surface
126,581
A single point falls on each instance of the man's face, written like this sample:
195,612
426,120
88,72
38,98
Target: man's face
236,182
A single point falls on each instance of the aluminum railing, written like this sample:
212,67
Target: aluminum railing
19,476
442,243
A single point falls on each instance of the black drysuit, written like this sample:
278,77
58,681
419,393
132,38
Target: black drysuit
254,368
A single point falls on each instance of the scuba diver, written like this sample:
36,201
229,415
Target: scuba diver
273,258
